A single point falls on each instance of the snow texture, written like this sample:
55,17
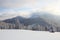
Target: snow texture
28,35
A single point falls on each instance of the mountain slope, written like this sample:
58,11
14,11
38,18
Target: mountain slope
28,21
42,19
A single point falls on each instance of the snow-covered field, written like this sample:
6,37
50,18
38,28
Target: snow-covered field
28,35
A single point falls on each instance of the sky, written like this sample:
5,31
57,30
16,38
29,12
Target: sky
12,8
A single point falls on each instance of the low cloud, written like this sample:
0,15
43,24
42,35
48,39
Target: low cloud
25,7
12,13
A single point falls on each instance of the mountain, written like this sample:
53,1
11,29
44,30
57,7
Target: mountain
12,20
28,21
39,18
50,18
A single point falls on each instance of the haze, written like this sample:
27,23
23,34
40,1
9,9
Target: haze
12,8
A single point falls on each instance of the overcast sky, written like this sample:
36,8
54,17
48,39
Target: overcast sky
12,8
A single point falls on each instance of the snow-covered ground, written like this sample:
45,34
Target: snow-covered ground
28,35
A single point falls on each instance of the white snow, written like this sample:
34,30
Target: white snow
28,35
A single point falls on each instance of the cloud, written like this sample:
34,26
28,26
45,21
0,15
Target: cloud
10,13
12,8
24,14
51,6
15,3
7,14
11,3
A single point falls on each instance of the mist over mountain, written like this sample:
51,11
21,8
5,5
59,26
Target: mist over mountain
37,18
